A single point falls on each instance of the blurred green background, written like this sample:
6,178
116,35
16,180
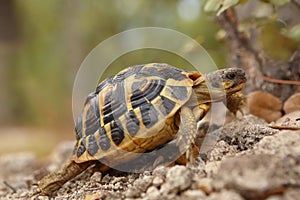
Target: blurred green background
43,43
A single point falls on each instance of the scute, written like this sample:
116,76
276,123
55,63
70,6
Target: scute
161,70
128,110
92,117
92,145
167,105
81,147
132,123
178,92
103,140
149,115
116,131
148,91
78,128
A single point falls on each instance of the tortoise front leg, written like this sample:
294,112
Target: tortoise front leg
201,110
187,132
180,149
190,120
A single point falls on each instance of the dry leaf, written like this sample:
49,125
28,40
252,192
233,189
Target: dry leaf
292,103
293,116
264,105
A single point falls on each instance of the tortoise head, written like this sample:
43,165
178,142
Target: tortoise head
229,80
216,85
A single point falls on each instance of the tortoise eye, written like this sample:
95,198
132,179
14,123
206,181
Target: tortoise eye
230,75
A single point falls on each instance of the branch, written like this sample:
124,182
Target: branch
296,3
244,55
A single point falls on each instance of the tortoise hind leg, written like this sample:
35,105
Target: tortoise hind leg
53,181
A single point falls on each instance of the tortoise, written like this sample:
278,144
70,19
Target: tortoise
142,108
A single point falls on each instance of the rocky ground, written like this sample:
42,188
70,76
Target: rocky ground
251,160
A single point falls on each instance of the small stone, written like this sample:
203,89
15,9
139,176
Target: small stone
146,173
212,168
143,183
133,193
225,195
96,177
157,181
153,193
106,179
274,197
94,196
193,194
160,171
205,184
42,198
2,193
143,195
23,194
131,178
178,178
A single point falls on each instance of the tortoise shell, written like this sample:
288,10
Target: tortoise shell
132,112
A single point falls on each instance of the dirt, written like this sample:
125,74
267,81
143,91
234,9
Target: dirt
249,161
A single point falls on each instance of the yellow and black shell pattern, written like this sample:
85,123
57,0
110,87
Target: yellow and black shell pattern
132,112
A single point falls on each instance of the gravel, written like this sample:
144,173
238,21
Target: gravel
249,161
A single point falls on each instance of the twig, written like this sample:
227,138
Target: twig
269,79
9,186
284,127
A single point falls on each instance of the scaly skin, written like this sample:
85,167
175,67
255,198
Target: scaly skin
53,181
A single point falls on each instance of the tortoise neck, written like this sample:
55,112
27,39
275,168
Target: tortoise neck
206,94
200,90
202,93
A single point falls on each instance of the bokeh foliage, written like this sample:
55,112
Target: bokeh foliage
277,23
55,36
